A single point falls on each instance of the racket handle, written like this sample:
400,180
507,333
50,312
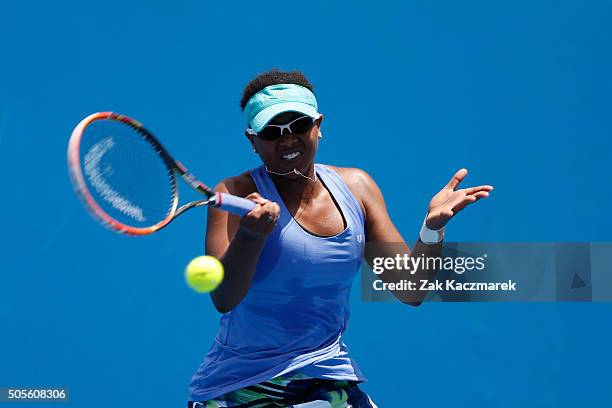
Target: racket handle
233,204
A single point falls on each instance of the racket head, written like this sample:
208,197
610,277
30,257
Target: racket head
122,174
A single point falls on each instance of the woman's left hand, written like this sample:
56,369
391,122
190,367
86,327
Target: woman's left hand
448,202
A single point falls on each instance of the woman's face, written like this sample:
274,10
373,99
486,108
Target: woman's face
291,150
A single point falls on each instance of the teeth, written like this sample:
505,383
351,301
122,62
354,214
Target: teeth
290,156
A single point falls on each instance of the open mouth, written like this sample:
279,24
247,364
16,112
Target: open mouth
291,155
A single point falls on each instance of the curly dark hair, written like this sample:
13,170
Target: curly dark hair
273,77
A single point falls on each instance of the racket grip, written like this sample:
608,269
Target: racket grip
233,204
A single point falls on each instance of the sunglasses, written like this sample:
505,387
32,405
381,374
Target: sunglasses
273,132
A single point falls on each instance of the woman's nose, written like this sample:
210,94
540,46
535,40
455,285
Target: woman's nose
287,138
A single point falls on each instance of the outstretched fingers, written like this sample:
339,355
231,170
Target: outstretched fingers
456,179
463,201
473,190
480,194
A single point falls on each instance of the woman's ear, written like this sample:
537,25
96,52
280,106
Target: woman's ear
319,120
318,123
250,137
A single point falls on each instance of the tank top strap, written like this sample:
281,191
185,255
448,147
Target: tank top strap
345,198
267,189
263,183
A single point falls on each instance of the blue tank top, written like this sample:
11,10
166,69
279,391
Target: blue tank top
297,308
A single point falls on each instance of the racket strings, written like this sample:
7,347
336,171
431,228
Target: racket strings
126,174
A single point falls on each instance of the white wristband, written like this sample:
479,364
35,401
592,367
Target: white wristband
429,236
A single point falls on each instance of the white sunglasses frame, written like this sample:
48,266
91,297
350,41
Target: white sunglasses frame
285,126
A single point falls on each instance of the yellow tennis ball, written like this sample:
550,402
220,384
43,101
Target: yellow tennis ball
204,273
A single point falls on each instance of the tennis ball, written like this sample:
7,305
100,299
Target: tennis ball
204,273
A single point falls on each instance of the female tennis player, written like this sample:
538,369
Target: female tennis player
290,262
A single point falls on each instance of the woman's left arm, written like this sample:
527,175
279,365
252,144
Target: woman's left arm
380,229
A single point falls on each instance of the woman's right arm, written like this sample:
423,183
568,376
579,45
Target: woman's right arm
238,242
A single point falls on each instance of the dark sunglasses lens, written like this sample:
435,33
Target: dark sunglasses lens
301,125
269,133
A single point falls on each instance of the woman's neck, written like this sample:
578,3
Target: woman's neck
297,185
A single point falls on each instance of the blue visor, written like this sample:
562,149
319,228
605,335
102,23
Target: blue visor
276,99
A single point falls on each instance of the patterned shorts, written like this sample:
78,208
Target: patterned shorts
295,391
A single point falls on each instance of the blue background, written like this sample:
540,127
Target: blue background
518,92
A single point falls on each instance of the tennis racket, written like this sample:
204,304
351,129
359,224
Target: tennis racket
127,179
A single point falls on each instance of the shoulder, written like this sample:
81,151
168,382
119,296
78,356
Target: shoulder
241,185
360,183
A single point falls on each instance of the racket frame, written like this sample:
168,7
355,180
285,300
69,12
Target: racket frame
173,166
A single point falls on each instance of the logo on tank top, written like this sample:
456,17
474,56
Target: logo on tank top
359,238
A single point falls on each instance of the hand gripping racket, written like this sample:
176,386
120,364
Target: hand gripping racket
127,179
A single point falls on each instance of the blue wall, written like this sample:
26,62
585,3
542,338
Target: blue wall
518,92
